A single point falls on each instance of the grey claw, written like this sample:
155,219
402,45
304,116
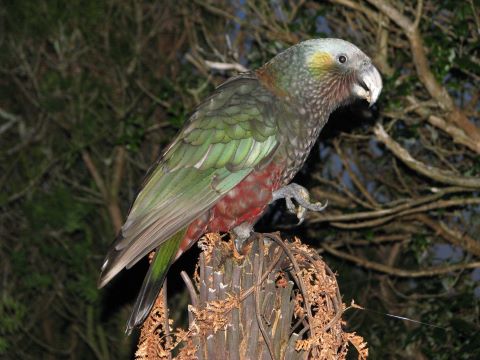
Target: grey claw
301,196
242,233
238,244
301,211
291,206
316,206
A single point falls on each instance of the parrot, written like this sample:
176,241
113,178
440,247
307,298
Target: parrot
235,154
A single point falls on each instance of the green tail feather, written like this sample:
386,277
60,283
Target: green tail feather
154,279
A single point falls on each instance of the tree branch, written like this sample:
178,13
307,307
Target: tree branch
110,202
428,207
458,135
431,172
452,236
94,173
436,90
390,270
399,209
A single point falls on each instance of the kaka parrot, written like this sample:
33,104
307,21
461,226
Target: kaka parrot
236,154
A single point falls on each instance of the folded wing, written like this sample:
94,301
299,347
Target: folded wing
229,134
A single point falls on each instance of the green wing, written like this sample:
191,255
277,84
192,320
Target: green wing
228,135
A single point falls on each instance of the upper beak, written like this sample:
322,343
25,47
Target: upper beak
369,84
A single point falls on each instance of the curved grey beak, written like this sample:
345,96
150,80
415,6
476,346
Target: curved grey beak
369,85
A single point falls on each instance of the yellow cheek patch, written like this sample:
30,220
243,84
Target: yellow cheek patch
320,62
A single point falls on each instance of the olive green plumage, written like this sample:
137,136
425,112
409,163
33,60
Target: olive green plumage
192,174
271,116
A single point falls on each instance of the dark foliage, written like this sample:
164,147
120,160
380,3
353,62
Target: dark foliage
90,92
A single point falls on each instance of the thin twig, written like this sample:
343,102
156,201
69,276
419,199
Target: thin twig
390,270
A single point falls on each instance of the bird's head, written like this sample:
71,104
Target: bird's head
325,72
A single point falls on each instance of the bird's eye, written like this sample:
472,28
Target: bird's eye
342,59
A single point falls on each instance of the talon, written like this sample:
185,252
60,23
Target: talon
301,196
242,233
291,206
301,211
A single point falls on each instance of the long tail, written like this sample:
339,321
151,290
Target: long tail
154,279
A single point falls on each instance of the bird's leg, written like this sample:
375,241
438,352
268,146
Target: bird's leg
301,196
242,234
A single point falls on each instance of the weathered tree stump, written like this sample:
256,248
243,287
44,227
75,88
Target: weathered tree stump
278,300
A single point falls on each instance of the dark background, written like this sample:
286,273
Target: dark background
91,91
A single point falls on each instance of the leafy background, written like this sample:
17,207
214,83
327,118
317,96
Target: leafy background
91,91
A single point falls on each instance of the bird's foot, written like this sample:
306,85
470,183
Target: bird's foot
301,196
242,236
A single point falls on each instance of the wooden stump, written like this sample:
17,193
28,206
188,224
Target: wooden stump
278,300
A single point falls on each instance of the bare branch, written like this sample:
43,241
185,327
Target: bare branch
431,172
395,210
112,206
390,270
453,236
226,66
418,14
357,6
436,90
94,173
428,207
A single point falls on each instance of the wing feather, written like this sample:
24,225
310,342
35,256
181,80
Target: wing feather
227,136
